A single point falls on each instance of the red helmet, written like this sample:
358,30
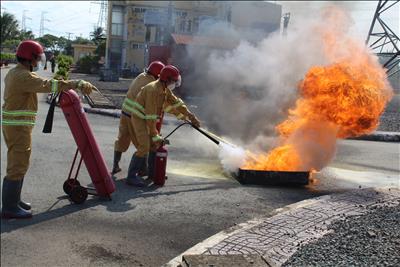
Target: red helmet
155,68
29,50
170,73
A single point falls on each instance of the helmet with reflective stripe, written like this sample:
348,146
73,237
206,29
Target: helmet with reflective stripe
155,68
170,73
29,50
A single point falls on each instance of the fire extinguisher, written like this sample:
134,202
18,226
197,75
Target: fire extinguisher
160,165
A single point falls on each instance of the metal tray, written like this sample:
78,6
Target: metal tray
255,177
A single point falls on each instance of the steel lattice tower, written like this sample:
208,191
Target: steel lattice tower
383,40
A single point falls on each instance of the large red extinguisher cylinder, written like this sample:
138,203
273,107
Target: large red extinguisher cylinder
160,166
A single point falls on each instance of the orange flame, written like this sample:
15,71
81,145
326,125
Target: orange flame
340,100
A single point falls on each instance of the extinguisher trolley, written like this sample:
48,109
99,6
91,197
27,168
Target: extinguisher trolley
89,152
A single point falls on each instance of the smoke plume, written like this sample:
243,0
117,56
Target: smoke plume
247,91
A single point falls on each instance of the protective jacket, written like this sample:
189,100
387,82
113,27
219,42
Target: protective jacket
151,102
126,134
19,114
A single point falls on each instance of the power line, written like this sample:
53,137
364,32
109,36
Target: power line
102,19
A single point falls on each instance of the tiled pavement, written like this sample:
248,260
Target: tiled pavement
276,238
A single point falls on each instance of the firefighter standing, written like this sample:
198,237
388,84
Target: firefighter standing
18,118
126,134
154,99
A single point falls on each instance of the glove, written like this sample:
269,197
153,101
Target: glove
194,120
86,87
157,141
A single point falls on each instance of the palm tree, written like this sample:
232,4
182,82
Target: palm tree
26,35
97,35
9,27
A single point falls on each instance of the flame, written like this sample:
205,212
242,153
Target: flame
339,100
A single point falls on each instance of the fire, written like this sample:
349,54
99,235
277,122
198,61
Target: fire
340,100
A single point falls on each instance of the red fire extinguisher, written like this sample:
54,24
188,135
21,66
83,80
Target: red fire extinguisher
160,166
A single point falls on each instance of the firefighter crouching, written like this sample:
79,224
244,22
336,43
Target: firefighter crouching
18,118
126,134
154,99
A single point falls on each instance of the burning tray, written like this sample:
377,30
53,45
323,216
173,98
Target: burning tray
273,177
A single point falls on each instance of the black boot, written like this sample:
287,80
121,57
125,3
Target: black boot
117,158
134,167
22,204
143,171
151,165
10,198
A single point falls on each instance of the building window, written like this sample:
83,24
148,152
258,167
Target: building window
140,10
117,21
137,46
182,26
189,26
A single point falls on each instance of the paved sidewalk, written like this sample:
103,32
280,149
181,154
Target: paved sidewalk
277,238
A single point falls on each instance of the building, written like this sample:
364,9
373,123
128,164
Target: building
81,50
134,27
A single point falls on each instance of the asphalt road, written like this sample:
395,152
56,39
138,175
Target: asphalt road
148,227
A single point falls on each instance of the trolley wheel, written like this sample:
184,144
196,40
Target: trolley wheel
78,194
69,184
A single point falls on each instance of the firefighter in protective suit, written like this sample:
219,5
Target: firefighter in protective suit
126,134
154,99
18,118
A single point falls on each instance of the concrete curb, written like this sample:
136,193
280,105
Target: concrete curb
380,136
277,237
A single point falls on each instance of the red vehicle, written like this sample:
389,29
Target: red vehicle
89,151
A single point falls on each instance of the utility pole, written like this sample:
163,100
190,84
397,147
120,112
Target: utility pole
286,18
42,20
69,35
383,40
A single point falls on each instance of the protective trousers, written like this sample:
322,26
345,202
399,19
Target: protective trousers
18,140
144,143
126,135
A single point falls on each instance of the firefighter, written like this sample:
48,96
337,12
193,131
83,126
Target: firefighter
18,118
126,134
154,99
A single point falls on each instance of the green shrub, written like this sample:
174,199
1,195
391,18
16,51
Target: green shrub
8,57
87,63
61,74
64,64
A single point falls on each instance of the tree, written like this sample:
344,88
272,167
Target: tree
26,35
49,41
81,40
97,35
101,49
62,44
9,27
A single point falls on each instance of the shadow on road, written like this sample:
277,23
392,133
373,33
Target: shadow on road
119,202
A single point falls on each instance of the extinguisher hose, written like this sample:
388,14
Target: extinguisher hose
48,125
204,132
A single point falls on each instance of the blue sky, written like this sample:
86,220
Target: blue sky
78,17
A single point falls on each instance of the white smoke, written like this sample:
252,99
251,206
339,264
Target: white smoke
232,157
247,91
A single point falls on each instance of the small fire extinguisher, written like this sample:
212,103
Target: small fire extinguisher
160,165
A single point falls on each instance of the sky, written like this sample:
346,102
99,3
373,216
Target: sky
361,12
80,17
